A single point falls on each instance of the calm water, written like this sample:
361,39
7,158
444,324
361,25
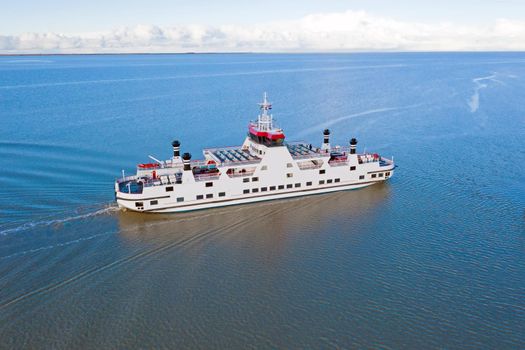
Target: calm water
435,258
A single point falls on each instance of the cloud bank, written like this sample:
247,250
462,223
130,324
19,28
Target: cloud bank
344,31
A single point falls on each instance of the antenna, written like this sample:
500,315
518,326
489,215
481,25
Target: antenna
265,121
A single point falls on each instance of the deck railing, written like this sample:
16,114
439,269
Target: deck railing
338,162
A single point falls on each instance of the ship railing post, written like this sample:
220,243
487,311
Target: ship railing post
123,175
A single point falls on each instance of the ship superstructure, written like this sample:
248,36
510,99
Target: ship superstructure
264,167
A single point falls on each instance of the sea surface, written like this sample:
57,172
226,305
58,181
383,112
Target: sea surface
434,258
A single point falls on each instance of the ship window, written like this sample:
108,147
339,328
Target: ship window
209,184
387,173
222,194
155,202
322,171
264,189
264,167
297,185
139,204
309,183
289,186
246,191
352,167
169,189
255,179
272,188
209,195
180,199
289,175
380,174
200,196
361,177
373,176
289,165
281,187
255,190
337,180
321,182
329,181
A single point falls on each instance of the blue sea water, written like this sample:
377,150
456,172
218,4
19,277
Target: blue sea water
435,258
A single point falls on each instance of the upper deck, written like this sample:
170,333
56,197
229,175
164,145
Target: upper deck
235,155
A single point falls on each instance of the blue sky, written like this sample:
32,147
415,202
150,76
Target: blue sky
271,25
86,16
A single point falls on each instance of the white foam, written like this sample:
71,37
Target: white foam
473,103
43,223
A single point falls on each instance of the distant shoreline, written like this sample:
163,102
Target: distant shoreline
242,53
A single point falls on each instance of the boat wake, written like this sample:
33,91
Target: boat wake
479,84
109,208
331,122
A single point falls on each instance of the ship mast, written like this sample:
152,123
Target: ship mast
265,120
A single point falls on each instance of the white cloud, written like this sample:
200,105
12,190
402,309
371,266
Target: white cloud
344,31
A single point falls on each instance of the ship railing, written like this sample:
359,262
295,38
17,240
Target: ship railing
309,166
367,158
241,174
204,177
311,155
126,178
338,162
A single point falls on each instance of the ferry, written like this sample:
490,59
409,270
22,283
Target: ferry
265,167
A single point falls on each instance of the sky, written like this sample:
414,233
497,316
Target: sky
30,26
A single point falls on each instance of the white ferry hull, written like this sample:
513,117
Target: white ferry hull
129,205
263,168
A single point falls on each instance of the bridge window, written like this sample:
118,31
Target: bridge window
155,202
169,189
180,199
289,175
309,183
209,195
255,190
361,177
329,181
352,168
387,173
247,179
281,187
272,188
255,179
139,204
264,189
337,180
374,176
297,185
321,182
200,196
209,184
380,174
246,191
289,186
289,165
222,194
322,171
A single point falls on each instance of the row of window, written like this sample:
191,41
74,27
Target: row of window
210,195
247,179
288,186
262,189
380,175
